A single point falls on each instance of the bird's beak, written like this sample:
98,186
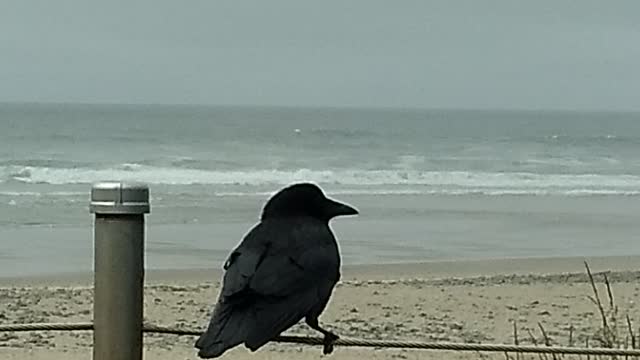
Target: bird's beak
339,209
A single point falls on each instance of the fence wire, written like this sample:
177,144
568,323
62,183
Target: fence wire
306,340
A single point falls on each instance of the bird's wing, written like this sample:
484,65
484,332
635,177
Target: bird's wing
231,320
278,261
282,275
290,282
240,268
280,278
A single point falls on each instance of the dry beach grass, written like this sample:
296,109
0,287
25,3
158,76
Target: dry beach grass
545,306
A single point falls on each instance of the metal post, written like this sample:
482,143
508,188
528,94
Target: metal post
118,269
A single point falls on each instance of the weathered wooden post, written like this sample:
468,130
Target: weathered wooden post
118,269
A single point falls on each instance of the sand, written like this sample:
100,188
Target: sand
453,301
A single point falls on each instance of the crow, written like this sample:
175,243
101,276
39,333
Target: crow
283,270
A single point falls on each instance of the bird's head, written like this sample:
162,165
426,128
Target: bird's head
304,199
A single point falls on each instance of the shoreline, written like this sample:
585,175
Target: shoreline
431,269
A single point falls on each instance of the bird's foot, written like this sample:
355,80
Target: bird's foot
329,339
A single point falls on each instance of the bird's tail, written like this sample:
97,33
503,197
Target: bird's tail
226,329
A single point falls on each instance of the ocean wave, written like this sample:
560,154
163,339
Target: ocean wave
40,162
593,137
452,192
369,191
332,192
19,193
44,193
347,177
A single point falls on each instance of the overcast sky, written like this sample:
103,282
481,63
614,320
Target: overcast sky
581,54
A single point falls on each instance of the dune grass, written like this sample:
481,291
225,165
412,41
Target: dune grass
615,331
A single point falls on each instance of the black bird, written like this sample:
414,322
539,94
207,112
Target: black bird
283,270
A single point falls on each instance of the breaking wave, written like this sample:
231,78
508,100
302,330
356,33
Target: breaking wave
363,181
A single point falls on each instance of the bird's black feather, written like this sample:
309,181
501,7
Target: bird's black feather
284,270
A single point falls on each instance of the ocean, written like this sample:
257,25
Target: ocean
430,184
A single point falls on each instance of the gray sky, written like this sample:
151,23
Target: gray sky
580,54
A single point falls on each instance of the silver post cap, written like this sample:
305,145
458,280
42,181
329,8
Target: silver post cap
119,198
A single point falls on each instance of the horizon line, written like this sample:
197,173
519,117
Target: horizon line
331,107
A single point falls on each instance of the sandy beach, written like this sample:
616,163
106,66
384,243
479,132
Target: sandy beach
489,151
453,301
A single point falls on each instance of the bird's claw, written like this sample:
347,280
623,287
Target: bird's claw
329,339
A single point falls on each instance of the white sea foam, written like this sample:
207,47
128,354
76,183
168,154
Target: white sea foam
458,192
444,182
19,193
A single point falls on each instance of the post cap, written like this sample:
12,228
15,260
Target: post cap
119,198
